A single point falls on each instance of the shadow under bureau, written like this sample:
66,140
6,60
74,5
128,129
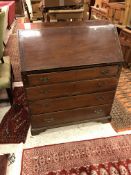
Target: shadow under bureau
70,73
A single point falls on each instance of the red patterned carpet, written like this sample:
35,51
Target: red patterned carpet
12,50
15,124
105,156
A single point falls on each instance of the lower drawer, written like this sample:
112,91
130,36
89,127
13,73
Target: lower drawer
55,119
71,102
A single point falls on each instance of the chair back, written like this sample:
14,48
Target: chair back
57,3
2,16
6,10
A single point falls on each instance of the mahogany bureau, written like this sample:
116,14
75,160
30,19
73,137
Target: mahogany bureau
70,73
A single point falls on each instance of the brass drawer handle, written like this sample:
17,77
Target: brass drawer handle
98,111
100,84
44,79
105,72
49,120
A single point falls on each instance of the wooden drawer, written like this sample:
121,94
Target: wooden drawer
71,102
62,118
72,75
71,88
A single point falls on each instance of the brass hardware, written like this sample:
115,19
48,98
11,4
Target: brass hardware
44,79
99,84
49,120
105,72
98,111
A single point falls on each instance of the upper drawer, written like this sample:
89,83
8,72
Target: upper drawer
72,75
71,88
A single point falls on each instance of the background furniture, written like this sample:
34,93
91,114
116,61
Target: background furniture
98,13
5,65
58,3
3,163
127,17
70,10
2,18
125,40
109,10
5,9
74,77
62,10
11,12
6,79
27,10
74,14
19,10
37,14
116,12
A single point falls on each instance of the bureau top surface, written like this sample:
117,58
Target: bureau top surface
68,46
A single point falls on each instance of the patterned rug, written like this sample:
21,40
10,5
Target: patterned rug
105,156
15,124
121,110
13,51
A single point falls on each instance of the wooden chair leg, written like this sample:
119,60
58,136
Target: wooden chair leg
4,44
12,76
10,95
2,60
8,27
10,90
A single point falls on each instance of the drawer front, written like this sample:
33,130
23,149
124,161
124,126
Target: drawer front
70,116
71,88
72,102
125,36
67,76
